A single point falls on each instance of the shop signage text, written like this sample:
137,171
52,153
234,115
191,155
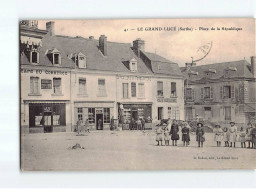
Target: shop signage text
134,78
43,71
173,100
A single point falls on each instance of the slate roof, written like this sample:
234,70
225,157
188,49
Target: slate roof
242,66
117,54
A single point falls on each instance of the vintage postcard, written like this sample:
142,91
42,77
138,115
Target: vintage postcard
137,94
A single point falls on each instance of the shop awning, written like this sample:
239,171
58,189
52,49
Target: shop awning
46,101
135,102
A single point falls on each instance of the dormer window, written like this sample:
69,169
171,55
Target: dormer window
80,60
54,56
133,65
229,70
210,72
34,57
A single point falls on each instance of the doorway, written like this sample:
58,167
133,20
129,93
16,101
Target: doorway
99,121
47,122
135,115
207,113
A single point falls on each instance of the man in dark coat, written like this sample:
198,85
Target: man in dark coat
174,132
112,123
200,138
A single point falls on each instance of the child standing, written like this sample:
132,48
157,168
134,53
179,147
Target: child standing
218,134
200,138
159,135
166,134
185,134
233,134
253,133
174,132
248,136
226,136
241,137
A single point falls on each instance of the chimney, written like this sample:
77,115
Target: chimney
91,37
253,66
50,28
103,45
138,45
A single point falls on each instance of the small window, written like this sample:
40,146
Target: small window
173,89
227,92
106,115
34,57
133,65
46,84
34,85
133,89
207,92
56,59
125,90
57,85
81,61
82,86
141,90
160,88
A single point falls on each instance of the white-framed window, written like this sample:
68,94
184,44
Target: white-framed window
57,86
133,65
133,89
106,115
56,58
34,85
160,88
82,86
34,57
141,89
125,91
169,112
81,60
91,115
101,87
80,114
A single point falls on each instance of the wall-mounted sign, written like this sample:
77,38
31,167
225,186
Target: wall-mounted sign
47,109
43,71
134,78
173,100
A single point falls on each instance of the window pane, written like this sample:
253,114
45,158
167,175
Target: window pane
82,86
173,89
207,92
101,85
34,86
159,88
141,90
125,90
133,89
56,85
106,115
228,113
34,57
56,58
91,115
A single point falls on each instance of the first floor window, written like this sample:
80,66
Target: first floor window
207,92
57,85
160,88
189,94
101,87
91,115
169,112
141,90
125,90
173,89
106,115
228,113
82,86
133,89
34,85
227,92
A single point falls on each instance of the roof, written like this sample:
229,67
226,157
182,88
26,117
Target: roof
116,60
241,69
160,65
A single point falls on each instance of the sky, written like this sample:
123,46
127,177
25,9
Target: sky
177,46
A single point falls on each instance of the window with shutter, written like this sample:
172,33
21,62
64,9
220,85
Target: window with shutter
56,85
125,90
133,89
202,93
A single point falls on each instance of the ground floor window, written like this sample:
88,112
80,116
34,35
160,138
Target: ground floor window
176,113
160,113
169,112
227,113
91,115
189,113
106,115
47,115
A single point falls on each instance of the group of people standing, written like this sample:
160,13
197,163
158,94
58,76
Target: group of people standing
138,124
232,135
229,136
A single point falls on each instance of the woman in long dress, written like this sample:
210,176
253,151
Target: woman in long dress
233,134
241,137
249,135
185,134
174,132
218,134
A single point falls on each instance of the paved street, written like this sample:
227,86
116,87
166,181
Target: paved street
126,150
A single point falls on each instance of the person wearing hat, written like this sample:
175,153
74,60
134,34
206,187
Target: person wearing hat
248,136
174,132
253,133
233,134
185,134
200,138
218,134
159,135
166,134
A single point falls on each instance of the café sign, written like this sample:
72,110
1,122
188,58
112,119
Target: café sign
49,72
171,100
134,78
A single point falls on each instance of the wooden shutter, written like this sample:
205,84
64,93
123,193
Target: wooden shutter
211,92
236,93
31,85
221,92
202,93
192,94
232,91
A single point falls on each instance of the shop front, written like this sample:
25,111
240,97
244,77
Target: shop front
98,114
47,117
130,113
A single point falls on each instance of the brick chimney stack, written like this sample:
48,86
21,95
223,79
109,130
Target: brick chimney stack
50,28
138,45
103,45
253,66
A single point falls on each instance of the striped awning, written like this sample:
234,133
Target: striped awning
30,41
